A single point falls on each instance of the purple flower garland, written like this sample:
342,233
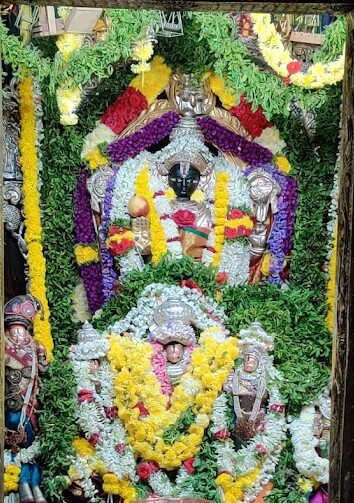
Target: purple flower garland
129,146
279,243
109,275
90,274
227,141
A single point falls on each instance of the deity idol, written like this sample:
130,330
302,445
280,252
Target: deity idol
188,198
250,381
25,362
151,395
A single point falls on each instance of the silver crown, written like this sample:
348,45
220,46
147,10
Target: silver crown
255,340
173,310
88,334
173,331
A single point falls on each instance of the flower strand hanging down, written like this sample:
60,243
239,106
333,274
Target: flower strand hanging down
28,144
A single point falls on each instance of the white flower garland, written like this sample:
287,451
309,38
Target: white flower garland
307,460
23,456
207,312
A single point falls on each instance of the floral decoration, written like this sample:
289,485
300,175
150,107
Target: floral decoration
86,250
131,145
30,165
226,96
253,121
279,59
227,141
124,109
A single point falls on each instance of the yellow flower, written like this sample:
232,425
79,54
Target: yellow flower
140,67
95,158
73,473
318,69
83,447
226,96
283,164
170,194
332,283
305,485
68,43
153,82
265,266
11,478
86,254
31,207
142,50
198,196
221,209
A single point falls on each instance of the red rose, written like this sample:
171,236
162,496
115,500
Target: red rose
94,439
144,470
230,233
189,465
142,409
286,80
85,395
222,434
222,277
189,283
183,218
261,449
235,213
294,67
253,121
120,248
243,231
120,448
111,412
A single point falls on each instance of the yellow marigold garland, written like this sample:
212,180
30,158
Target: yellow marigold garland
332,283
83,447
96,159
283,164
244,221
153,82
122,488
220,211
135,382
226,95
277,57
86,254
31,208
233,488
158,238
11,479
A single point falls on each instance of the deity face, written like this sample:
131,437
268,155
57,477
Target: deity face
94,366
174,352
250,363
184,179
17,333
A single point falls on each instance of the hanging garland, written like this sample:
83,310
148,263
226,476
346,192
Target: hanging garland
28,144
279,59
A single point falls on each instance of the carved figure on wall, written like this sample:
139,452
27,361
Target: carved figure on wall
25,362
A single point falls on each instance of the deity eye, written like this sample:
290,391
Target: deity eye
173,179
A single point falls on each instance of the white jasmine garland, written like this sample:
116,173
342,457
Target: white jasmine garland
101,134
23,456
307,460
235,261
270,138
207,313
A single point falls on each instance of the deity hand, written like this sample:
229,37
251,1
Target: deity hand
141,231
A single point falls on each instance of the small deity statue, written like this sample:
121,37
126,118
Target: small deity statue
322,424
173,330
25,362
249,383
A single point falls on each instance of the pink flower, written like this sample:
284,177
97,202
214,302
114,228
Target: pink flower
85,395
120,448
184,218
286,80
222,277
222,434
94,439
261,449
189,465
146,468
142,409
277,407
111,412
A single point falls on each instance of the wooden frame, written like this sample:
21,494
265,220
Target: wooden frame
341,487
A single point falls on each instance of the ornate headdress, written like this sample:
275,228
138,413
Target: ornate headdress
90,344
22,309
255,340
173,320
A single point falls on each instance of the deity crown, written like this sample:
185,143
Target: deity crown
255,340
173,331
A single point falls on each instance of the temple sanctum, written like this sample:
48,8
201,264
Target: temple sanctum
178,252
